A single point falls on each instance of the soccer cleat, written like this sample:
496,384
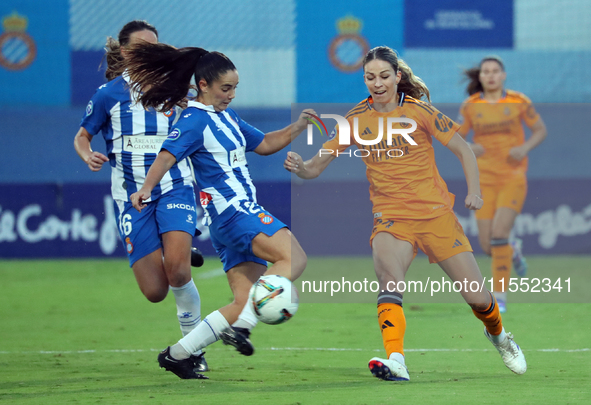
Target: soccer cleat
196,257
389,370
510,352
502,305
519,262
199,362
184,369
239,338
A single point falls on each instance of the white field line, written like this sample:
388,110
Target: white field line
314,349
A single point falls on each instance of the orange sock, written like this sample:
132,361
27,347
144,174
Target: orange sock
502,258
392,324
491,317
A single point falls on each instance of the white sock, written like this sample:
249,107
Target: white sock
397,357
500,337
247,319
188,306
206,333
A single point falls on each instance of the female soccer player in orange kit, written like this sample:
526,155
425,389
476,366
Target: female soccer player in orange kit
495,115
411,205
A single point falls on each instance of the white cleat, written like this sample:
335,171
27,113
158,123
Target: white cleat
389,370
510,352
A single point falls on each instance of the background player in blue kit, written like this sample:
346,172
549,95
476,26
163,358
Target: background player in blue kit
243,233
157,240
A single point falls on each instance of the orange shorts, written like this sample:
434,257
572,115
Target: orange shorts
440,238
510,194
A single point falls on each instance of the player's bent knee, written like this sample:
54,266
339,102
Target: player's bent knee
155,295
178,278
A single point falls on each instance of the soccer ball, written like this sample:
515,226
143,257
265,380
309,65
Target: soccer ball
274,298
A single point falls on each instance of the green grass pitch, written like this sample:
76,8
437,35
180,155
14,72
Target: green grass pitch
80,332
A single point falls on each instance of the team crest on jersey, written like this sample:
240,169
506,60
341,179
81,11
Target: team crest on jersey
404,124
204,198
174,135
267,219
168,113
128,246
89,108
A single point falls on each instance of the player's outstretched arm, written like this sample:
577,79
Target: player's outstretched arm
277,140
310,169
460,148
161,165
93,159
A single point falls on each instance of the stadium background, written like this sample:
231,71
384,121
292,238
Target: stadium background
288,52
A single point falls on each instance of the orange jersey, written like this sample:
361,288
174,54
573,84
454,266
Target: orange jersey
404,182
498,128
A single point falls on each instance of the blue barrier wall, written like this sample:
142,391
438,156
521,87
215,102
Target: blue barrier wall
78,220
329,218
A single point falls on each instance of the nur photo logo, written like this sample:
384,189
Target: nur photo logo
388,128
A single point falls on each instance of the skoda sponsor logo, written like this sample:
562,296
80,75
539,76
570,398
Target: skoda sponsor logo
176,206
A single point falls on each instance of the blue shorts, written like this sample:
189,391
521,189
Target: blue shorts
141,231
233,230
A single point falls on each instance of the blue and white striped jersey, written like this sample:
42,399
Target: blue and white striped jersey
134,137
216,142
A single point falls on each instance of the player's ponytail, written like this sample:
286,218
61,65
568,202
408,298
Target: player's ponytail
113,57
162,73
409,83
472,75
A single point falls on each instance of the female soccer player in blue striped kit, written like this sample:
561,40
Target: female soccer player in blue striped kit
216,139
158,240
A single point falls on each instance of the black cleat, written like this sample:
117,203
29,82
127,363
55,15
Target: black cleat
199,362
184,369
196,257
239,338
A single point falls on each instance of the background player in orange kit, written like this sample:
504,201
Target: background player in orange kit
412,207
496,115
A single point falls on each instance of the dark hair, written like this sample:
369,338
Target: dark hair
473,74
409,83
164,72
113,46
